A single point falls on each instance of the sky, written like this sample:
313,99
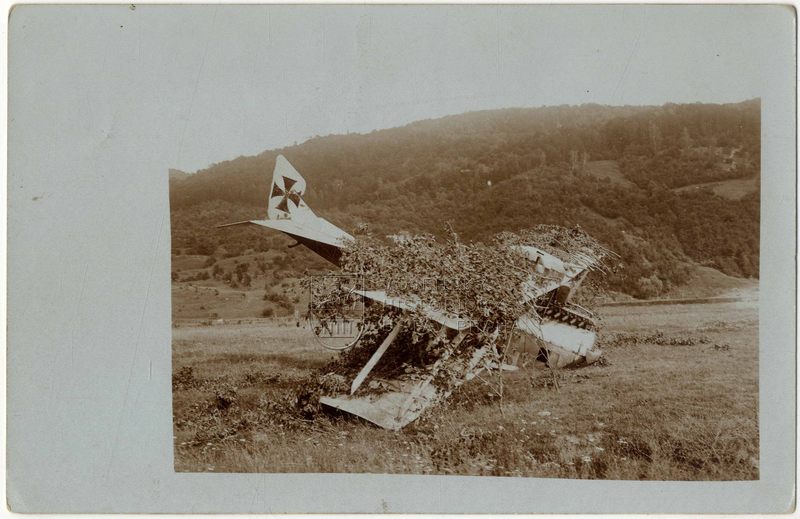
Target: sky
211,83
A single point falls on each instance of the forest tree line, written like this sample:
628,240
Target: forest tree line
485,172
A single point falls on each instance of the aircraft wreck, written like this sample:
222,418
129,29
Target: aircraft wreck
413,343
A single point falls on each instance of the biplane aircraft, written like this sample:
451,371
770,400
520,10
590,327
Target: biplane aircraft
559,332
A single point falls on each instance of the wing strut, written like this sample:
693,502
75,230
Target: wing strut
362,375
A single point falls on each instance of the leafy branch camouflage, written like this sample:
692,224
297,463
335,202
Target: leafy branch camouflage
479,284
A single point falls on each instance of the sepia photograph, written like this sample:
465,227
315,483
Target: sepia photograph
407,258
433,260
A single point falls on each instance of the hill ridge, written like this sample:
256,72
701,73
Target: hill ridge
508,169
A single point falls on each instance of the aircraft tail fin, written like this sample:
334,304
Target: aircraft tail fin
288,213
286,193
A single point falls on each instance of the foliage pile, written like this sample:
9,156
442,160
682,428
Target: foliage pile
479,285
477,282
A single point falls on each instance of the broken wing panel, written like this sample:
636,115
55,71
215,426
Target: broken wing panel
400,401
393,409
578,341
407,304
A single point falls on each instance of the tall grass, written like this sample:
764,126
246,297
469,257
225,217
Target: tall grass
678,409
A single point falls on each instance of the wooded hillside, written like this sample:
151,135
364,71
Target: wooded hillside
668,188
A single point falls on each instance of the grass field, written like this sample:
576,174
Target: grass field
732,189
675,397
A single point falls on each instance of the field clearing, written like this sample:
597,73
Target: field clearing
608,170
732,189
682,405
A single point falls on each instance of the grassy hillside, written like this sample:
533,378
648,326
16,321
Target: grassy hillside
670,188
